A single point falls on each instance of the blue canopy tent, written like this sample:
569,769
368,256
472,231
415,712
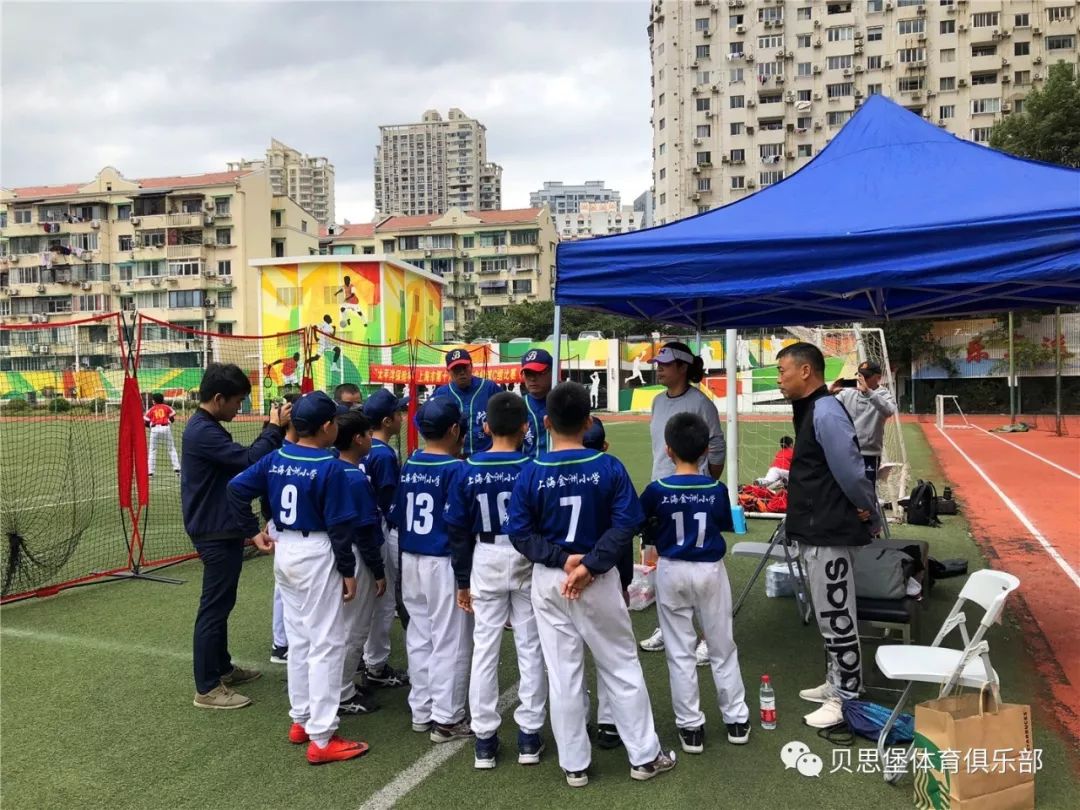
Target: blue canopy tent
895,218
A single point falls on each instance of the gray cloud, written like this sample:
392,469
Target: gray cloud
170,88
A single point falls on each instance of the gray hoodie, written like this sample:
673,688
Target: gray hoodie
869,412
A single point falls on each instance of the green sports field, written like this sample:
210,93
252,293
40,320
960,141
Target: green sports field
96,708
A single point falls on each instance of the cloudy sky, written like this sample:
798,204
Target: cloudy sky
160,88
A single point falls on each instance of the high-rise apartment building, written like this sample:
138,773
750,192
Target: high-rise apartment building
435,165
644,205
176,248
597,219
747,91
489,259
308,180
566,199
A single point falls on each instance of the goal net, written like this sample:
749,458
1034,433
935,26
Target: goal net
948,413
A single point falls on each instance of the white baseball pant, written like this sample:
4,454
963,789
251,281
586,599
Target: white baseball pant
357,615
311,591
438,640
683,589
162,434
377,648
277,621
500,586
599,620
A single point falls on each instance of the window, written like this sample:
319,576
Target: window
704,158
124,242
838,62
873,89
663,198
874,34
911,54
663,123
902,3
1060,43
703,104
839,8
947,83
409,242
770,177
947,55
873,63
908,27
874,6
85,241
493,239
221,206
946,111
765,43
983,50
738,181
737,102
734,20
805,150
770,150
662,148
735,76
947,27
839,90
663,174
985,106
468,241
771,14
802,13
802,41
803,69
803,95
987,19
803,122
704,130
149,269
180,299
224,267
1021,21
701,52
704,184
770,68
841,33
738,155
701,24
223,236
522,287
981,134
278,218
984,78
1021,48
191,267
910,85
736,128
23,216
1059,13
1022,77
1018,106
303,226
770,98
838,119
123,212
702,77
735,48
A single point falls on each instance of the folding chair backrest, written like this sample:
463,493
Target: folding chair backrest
989,589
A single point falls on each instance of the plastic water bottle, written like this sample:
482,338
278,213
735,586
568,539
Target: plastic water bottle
767,699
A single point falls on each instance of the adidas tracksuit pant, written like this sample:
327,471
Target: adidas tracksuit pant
830,575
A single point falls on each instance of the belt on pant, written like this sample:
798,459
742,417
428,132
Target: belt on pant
292,534
494,539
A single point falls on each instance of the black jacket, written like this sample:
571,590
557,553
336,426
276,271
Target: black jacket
827,484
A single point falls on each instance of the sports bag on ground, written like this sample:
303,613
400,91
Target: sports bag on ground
922,505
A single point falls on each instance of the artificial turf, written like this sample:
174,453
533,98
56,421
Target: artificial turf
95,707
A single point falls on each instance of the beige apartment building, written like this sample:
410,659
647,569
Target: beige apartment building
598,219
489,259
175,248
308,180
747,91
435,165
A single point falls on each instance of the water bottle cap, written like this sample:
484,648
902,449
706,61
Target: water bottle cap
765,679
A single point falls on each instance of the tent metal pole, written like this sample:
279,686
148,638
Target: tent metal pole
1012,374
1058,340
731,369
557,340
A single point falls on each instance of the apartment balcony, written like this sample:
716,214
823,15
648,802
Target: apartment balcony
986,64
185,251
186,219
149,222
149,253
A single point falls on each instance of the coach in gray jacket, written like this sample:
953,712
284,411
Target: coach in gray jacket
869,404
832,508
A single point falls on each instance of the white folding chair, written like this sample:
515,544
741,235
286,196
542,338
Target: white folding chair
952,668
783,550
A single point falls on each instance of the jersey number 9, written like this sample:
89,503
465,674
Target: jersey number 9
288,505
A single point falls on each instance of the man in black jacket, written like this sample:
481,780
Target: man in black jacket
210,459
832,508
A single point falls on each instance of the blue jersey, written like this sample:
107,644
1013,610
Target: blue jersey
306,489
684,515
363,496
482,500
537,440
427,484
473,403
383,469
572,498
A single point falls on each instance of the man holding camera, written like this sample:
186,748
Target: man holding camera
869,404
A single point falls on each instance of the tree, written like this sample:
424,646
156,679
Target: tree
535,320
1049,127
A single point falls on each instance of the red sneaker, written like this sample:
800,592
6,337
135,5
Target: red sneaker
337,750
297,735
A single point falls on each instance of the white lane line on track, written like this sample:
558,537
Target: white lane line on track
1065,470
1046,544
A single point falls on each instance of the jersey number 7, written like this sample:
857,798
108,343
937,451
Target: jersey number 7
574,502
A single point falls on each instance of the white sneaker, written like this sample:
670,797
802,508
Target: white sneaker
826,716
819,694
702,654
654,643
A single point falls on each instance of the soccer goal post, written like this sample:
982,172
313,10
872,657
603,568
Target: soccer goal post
948,412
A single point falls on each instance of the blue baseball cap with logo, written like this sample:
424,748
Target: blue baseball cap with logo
595,436
436,416
457,357
536,360
383,404
313,410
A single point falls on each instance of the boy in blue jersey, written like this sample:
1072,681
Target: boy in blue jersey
471,394
314,568
494,583
439,636
537,375
383,468
572,513
684,515
353,442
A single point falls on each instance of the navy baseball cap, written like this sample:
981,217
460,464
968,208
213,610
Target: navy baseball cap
313,410
595,437
436,416
868,368
383,404
536,360
457,357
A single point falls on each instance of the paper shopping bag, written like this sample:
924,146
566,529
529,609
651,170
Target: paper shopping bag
973,752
